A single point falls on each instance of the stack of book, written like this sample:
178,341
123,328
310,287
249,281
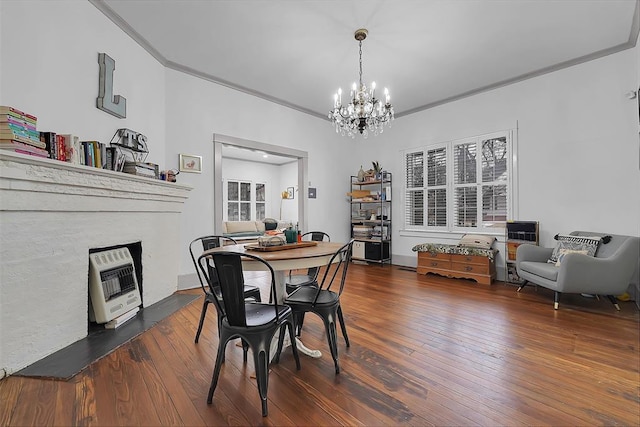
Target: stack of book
149,170
18,133
94,154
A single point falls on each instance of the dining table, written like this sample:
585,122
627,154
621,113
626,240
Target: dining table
290,257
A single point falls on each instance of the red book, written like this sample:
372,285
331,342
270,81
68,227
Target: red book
62,152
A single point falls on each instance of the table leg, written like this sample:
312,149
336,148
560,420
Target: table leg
281,292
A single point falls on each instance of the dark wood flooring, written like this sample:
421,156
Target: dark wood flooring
69,361
425,350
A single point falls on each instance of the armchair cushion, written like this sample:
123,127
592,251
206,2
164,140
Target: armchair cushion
589,244
563,252
541,269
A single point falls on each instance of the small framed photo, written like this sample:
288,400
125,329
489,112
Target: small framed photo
291,193
190,163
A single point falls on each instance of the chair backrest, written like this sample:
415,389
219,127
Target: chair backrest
316,236
207,242
229,272
613,242
336,269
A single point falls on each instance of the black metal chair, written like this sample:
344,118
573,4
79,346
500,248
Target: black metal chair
324,301
294,281
211,292
255,323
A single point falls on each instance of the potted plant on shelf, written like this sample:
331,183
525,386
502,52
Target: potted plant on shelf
377,168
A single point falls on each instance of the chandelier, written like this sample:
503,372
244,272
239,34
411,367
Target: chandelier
364,113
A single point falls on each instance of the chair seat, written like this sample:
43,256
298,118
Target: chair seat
543,269
263,314
299,280
306,294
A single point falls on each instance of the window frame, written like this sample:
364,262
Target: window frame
482,225
253,202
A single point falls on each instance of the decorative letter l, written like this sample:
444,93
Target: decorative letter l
106,101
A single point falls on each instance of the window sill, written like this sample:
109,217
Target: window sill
453,236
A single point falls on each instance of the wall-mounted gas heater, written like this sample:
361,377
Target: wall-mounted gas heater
112,285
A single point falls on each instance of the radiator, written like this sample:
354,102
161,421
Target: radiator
113,287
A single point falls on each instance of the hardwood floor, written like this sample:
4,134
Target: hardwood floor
425,350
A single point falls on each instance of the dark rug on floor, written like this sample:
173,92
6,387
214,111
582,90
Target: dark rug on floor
69,361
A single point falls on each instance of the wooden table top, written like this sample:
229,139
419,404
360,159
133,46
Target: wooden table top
322,249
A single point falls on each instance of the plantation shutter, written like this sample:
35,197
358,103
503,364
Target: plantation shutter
465,193
414,196
494,181
436,187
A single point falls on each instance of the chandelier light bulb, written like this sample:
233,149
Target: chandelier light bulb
364,113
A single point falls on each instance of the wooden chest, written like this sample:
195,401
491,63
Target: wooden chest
480,268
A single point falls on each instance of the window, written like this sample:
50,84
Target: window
467,184
260,201
242,203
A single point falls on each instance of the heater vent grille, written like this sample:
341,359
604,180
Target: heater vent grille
117,281
112,284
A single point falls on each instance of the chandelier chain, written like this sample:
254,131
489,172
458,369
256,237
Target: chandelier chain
360,63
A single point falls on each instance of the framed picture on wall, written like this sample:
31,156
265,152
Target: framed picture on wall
290,192
190,163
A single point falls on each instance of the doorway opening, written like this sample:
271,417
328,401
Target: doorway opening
301,157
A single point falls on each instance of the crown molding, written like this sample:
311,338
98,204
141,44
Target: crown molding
124,26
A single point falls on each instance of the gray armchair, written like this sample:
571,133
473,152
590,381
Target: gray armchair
608,273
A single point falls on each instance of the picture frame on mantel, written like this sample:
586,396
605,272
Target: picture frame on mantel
190,163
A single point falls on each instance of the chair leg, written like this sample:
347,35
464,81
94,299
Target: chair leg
281,332
245,349
614,301
202,315
216,370
522,286
343,326
330,326
294,346
299,317
261,361
556,300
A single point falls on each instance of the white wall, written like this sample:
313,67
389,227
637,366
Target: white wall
289,178
209,108
578,160
50,69
52,72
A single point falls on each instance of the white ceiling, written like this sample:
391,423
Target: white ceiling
427,52
424,51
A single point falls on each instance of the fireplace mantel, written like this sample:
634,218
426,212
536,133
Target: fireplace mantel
51,214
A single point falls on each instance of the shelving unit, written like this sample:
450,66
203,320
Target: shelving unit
371,218
518,232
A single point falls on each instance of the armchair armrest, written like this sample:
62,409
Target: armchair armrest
527,252
604,276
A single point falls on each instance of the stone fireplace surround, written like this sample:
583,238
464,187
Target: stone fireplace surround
51,214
